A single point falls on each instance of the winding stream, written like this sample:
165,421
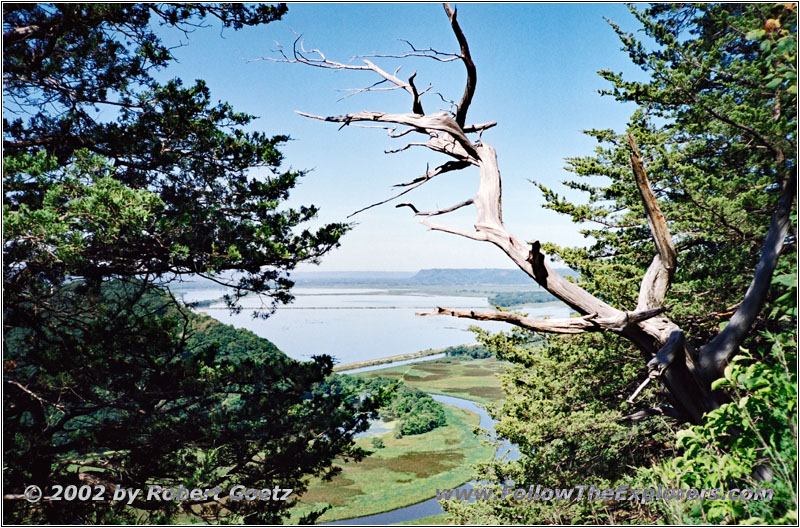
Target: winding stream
431,506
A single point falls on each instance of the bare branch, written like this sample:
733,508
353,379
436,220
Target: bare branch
438,211
405,147
658,225
416,182
374,87
715,355
658,276
20,33
619,322
570,325
640,388
391,78
303,56
41,400
394,134
452,230
447,167
574,325
453,143
416,106
654,286
479,128
664,410
472,72
428,53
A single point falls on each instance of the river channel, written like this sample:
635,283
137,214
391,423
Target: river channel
431,506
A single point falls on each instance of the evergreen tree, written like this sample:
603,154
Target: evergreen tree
723,86
107,379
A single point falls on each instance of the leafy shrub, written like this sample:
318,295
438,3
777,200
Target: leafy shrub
416,411
750,442
476,351
508,299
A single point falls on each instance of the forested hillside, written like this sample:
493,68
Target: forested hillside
116,183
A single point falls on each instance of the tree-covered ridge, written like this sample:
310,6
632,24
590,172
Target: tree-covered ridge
474,351
148,392
235,344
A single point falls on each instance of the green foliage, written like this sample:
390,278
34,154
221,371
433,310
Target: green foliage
423,415
416,411
717,164
139,390
562,409
716,124
750,442
509,299
113,183
82,209
218,188
476,351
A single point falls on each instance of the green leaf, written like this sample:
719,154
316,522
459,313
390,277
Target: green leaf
755,34
774,83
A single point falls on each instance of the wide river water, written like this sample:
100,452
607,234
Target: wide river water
355,325
361,324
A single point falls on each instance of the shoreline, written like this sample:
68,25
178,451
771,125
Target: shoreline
386,360
427,497
394,359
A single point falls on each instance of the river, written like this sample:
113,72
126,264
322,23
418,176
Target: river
432,506
355,325
361,324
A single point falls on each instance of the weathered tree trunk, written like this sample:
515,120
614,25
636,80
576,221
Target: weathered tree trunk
685,374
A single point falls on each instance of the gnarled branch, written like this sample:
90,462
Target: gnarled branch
656,280
569,325
438,211
453,142
646,326
472,72
715,355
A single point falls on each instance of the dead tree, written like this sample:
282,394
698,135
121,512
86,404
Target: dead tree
686,372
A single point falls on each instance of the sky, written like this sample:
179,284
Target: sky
537,78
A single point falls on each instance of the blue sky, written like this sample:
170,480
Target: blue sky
537,78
